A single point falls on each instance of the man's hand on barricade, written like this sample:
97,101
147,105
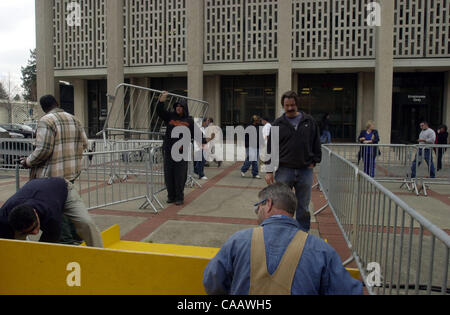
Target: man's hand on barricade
163,96
23,162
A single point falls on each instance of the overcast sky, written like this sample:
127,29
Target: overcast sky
17,37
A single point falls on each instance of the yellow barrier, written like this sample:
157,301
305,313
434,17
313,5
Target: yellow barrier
35,268
121,268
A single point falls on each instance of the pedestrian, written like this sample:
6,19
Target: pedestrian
252,150
199,166
175,172
39,206
442,139
60,143
215,148
427,137
325,137
265,136
266,129
277,258
299,152
368,153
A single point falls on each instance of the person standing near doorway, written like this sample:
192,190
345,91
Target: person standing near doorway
442,139
427,136
325,137
369,153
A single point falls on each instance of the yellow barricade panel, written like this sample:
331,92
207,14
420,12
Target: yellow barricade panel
121,268
33,268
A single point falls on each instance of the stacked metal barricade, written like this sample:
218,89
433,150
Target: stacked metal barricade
415,167
397,250
127,164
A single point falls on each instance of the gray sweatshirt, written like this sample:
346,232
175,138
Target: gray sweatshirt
428,135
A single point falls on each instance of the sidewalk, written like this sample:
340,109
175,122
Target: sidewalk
212,213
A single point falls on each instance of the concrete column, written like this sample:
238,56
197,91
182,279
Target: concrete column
115,55
295,82
284,80
194,47
365,99
80,103
212,96
446,114
44,48
384,71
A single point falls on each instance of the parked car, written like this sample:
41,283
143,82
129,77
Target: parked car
6,134
32,124
26,131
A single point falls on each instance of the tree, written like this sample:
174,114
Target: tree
29,78
3,93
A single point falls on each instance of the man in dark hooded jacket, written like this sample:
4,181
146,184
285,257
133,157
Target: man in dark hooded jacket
175,173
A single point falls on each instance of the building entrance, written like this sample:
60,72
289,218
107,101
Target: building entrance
410,119
417,97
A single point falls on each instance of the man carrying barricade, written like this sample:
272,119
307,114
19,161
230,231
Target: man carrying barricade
176,168
277,258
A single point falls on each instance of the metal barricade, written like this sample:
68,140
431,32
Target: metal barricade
133,116
431,166
113,177
397,250
414,166
133,113
157,182
12,150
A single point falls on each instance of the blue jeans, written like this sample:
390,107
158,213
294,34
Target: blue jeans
254,164
428,156
369,156
302,181
326,137
199,167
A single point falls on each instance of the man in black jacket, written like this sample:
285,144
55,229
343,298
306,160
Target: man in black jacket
299,152
40,205
175,172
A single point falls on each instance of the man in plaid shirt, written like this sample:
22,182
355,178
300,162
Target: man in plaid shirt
60,142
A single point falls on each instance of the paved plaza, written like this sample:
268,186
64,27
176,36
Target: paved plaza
222,206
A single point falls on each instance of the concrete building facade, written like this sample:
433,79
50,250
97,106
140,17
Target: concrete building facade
358,60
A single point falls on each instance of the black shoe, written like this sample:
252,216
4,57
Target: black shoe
179,203
219,164
170,201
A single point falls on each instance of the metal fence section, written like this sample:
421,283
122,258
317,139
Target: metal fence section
133,116
431,166
113,177
140,120
11,150
415,167
397,250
